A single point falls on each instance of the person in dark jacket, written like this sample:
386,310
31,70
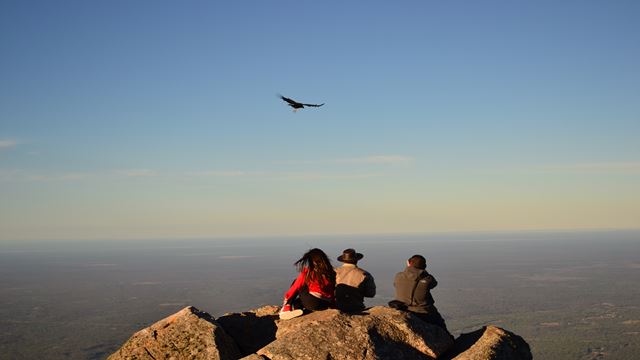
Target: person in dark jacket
413,288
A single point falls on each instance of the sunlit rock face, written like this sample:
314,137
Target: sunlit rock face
187,334
490,342
376,333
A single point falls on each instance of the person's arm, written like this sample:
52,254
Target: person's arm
295,287
369,286
431,281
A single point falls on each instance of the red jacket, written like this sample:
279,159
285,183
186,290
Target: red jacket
322,287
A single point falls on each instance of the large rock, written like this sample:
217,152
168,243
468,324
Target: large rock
187,334
490,343
378,333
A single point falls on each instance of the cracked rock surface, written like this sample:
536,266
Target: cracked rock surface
187,334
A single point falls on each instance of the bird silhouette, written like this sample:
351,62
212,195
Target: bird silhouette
296,105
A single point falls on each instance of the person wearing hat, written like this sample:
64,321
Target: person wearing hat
353,284
413,288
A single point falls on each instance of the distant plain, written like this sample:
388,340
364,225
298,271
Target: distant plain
571,295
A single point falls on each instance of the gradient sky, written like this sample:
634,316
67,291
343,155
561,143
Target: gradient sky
159,119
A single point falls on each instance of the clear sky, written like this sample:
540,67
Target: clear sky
159,119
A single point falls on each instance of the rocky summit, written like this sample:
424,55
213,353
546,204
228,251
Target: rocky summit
376,333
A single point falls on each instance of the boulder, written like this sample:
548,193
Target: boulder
377,333
490,343
187,334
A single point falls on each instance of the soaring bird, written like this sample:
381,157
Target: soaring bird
296,105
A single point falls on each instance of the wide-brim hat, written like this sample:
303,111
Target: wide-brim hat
350,256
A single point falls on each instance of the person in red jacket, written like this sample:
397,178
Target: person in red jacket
314,287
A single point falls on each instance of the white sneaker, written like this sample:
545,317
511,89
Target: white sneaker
286,315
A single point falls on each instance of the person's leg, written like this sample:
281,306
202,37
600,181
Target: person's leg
291,308
311,302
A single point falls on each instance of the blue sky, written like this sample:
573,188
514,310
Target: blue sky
154,119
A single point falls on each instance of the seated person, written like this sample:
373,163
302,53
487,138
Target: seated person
413,288
313,289
353,284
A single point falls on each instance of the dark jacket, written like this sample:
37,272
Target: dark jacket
352,286
404,282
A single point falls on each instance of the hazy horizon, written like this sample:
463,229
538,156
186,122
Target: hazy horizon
570,295
477,234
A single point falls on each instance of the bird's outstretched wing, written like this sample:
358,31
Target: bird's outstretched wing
292,102
314,105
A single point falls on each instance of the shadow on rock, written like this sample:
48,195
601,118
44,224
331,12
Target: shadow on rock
251,330
464,342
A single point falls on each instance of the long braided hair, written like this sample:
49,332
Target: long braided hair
318,265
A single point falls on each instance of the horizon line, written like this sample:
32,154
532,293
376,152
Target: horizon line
333,235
